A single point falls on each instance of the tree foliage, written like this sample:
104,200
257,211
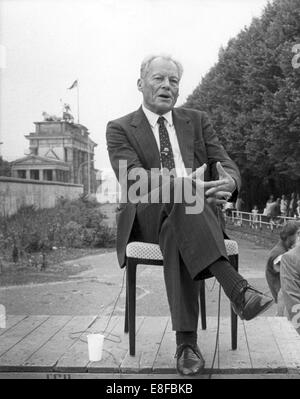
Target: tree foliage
4,167
252,96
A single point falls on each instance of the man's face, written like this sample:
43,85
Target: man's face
160,86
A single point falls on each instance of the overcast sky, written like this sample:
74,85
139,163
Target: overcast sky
101,42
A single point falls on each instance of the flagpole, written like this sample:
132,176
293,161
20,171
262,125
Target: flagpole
78,101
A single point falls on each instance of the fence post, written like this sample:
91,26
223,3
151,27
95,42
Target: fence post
260,222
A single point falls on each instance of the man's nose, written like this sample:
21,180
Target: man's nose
166,82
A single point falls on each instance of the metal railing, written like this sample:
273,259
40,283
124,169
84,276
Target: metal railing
256,221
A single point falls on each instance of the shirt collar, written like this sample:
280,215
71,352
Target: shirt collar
152,117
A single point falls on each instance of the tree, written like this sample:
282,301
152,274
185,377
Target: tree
4,167
252,96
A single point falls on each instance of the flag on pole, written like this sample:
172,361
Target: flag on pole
74,84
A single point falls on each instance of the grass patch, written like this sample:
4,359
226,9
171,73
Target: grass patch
39,240
57,268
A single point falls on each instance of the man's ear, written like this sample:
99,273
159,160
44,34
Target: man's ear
140,84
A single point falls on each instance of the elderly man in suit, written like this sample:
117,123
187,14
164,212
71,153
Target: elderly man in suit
290,282
158,138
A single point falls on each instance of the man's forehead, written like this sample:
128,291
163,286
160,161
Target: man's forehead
160,64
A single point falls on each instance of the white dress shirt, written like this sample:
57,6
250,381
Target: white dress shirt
153,118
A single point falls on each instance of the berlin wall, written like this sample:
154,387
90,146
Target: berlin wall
15,193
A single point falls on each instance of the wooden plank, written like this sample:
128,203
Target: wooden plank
264,352
49,354
148,340
288,341
165,361
207,341
115,352
18,354
114,376
76,357
19,331
232,361
34,344
11,320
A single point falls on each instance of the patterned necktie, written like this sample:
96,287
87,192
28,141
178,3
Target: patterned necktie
166,153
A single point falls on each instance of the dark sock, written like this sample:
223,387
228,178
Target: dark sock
186,337
231,281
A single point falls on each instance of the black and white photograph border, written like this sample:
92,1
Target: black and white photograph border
73,303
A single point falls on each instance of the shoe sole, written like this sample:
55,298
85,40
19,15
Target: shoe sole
268,305
191,374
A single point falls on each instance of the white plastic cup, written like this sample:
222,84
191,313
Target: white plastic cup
95,346
2,317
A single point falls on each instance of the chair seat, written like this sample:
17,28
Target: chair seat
144,250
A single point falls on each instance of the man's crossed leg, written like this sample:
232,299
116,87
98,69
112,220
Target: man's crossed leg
193,247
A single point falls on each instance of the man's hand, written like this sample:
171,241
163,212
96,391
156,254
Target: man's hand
218,191
198,176
222,192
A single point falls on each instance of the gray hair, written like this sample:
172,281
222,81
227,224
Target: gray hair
289,229
145,65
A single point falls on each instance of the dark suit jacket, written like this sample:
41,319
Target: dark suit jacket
290,284
272,276
131,138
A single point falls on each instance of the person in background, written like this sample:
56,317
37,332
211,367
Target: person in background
298,209
254,217
270,200
292,206
290,282
274,212
239,206
228,208
239,203
288,236
268,203
283,205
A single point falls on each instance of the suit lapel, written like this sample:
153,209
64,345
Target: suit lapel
146,141
185,136
145,138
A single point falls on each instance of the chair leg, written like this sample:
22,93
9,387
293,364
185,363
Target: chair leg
126,311
234,328
234,318
131,290
235,262
202,304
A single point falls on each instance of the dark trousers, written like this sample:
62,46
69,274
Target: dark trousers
189,244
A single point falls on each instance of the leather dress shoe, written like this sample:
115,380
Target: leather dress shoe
250,303
189,359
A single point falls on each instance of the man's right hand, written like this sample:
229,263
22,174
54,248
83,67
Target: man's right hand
218,196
